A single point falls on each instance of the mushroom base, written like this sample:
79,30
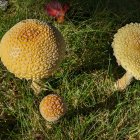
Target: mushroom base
38,86
122,83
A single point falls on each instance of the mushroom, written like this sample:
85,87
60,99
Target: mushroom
126,46
32,50
52,107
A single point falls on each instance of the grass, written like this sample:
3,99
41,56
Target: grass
84,79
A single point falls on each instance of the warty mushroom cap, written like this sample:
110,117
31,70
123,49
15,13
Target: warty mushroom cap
32,49
126,46
52,107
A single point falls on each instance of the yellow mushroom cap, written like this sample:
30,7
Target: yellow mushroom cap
32,49
52,107
126,46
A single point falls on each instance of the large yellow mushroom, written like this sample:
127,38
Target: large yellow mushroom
32,50
126,46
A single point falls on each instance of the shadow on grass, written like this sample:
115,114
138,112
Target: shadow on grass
8,125
108,16
109,104
120,10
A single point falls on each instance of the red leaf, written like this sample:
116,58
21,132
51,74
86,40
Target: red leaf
57,10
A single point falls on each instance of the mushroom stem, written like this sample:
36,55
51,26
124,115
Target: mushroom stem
122,83
37,86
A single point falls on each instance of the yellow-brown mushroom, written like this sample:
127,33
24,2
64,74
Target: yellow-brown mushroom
32,49
52,107
126,46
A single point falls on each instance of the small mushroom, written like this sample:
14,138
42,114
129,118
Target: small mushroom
32,50
52,107
126,46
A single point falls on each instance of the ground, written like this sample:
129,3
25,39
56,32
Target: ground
84,79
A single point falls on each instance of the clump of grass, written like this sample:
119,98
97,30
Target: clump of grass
84,79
